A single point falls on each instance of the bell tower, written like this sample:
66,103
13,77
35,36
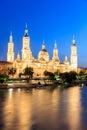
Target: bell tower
26,51
10,53
74,54
55,53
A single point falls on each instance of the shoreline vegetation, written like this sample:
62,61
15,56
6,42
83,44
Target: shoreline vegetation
50,80
39,85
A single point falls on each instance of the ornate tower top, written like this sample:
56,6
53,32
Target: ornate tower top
43,54
26,51
55,45
10,53
66,60
74,55
55,53
18,56
73,41
43,46
26,31
11,38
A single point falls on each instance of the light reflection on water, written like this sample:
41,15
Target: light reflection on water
22,109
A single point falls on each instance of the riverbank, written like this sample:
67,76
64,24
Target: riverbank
20,85
37,85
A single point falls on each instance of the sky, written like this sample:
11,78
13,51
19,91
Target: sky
47,20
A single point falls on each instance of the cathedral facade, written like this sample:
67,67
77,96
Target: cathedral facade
43,62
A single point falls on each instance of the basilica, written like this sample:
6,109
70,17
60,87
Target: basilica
42,63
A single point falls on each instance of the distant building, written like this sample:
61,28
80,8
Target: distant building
43,62
4,66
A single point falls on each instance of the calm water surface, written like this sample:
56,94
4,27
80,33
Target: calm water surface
22,109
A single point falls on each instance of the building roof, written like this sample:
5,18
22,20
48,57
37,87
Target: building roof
5,62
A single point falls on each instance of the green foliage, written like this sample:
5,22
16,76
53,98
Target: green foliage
68,76
28,72
73,75
56,74
3,78
50,75
85,75
82,75
11,71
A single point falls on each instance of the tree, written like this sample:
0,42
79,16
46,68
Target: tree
28,72
50,75
82,75
85,75
73,75
56,74
65,77
11,71
68,76
3,78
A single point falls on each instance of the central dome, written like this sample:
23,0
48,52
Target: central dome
43,54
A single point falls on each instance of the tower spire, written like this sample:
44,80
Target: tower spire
55,45
74,54
55,53
11,38
43,45
43,42
10,53
73,41
26,25
26,31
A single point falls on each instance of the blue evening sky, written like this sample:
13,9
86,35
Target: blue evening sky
47,20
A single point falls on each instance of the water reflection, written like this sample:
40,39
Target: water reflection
42,109
10,92
74,109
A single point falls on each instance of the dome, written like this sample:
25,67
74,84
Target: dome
43,54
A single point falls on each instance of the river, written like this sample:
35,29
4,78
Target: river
43,109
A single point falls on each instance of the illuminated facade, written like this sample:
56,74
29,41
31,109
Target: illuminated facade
43,62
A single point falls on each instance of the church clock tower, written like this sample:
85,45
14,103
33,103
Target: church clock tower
26,51
10,53
74,54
